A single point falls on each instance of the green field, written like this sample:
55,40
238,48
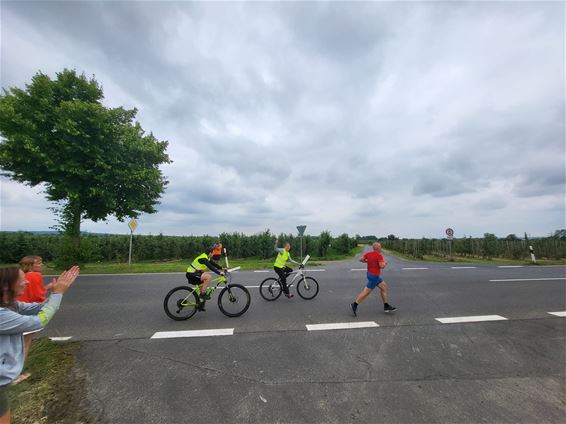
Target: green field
180,265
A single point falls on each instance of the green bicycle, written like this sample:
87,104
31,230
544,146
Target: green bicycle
183,302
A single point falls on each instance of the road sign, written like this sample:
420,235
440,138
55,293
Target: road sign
450,232
133,224
301,229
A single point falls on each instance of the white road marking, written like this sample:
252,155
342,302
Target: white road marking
262,270
60,339
531,279
463,267
193,333
358,269
413,268
510,266
341,325
252,287
558,314
476,318
315,270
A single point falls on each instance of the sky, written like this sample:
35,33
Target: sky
380,118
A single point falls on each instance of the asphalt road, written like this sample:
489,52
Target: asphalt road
408,367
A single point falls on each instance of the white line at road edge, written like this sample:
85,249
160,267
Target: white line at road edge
306,270
193,333
341,325
463,267
477,318
531,279
413,268
59,339
558,314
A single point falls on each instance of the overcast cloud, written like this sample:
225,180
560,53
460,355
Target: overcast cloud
368,118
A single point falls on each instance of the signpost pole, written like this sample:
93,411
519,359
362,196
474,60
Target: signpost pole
133,225
450,234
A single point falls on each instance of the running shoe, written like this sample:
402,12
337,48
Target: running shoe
389,308
354,309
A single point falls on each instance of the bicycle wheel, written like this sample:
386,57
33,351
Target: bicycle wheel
307,287
181,303
234,300
270,289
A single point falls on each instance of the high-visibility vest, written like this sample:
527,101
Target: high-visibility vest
282,259
217,250
196,265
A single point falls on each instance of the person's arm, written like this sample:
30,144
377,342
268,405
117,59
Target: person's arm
278,249
212,266
291,260
382,262
12,322
363,258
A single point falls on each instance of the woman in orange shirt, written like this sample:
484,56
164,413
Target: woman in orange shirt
33,293
35,290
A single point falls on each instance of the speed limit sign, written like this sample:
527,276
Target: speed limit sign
450,232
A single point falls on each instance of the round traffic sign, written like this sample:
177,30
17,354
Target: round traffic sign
449,232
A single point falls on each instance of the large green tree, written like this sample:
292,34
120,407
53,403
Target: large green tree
94,161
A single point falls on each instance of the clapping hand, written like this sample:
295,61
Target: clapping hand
65,280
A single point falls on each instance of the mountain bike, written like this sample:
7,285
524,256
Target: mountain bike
183,302
307,287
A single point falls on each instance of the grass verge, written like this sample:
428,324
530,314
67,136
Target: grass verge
468,260
179,265
55,393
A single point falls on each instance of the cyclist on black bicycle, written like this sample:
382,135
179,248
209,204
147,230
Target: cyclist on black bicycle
281,268
196,271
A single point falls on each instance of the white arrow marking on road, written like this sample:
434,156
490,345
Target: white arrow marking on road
341,325
193,333
60,339
558,314
463,267
531,279
477,318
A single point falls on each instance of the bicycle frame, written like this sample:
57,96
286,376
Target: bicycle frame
300,272
221,279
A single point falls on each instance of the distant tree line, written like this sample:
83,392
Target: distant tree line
488,246
59,248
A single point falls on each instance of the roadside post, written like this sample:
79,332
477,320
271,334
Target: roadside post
532,254
450,234
133,224
301,229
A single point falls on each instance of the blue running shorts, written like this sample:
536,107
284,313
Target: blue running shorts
373,281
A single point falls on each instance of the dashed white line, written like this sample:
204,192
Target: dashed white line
193,333
476,318
510,266
358,269
315,270
463,267
341,325
266,270
559,313
530,279
414,268
60,339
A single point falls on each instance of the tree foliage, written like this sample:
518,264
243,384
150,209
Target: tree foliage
94,161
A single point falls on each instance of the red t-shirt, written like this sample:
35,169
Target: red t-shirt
35,290
373,259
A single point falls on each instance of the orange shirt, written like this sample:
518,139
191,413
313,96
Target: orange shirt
35,290
217,250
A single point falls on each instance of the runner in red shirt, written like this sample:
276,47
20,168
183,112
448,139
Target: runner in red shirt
375,263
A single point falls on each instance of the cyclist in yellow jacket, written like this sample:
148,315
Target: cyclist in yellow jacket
196,271
280,265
